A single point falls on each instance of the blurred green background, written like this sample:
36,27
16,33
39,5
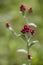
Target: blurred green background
9,11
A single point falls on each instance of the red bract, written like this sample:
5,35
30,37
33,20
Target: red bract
23,31
29,57
22,7
27,28
32,31
30,10
7,24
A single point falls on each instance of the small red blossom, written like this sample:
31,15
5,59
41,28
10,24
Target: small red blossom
29,56
30,10
26,27
7,24
23,30
22,7
32,31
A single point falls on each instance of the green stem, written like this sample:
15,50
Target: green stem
28,47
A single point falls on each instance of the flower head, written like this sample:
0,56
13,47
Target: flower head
23,31
30,10
29,56
22,8
7,24
32,31
26,27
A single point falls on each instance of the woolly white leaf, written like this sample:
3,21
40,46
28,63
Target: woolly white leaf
18,35
10,28
36,41
22,50
23,64
33,42
32,24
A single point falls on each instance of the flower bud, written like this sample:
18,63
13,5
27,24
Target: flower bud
29,56
32,31
23,31
30,10
7,24
22,8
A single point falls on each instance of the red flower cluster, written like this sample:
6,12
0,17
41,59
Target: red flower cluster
22,7
7,24
26,28
29,56
30,10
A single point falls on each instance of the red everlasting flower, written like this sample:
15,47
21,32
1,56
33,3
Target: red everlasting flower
29,57
32,31
23,31
7,24
27,28
22,7
30,10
